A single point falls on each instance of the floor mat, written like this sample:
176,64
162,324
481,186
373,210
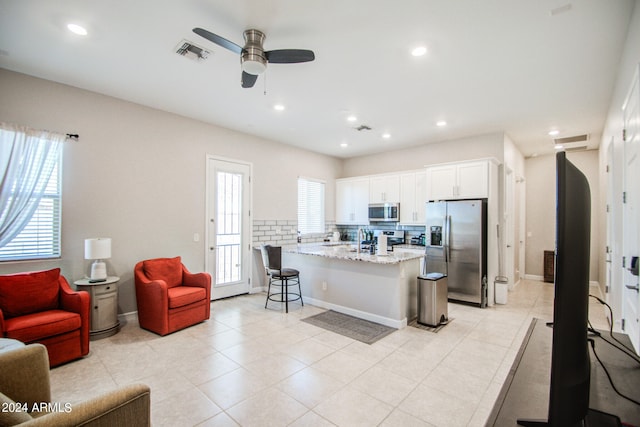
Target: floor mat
349,326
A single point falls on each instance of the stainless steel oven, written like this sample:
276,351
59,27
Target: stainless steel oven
384,212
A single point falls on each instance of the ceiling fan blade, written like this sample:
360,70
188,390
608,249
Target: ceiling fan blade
220,41
248,80
289,56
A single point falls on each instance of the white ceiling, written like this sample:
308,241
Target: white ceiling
522,67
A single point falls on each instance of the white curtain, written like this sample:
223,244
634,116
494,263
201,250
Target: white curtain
27,158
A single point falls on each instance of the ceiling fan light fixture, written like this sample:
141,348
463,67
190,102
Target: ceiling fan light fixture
253,59
255,65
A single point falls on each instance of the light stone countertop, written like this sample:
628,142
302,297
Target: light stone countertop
347,251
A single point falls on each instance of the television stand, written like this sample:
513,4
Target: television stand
594,418
525,393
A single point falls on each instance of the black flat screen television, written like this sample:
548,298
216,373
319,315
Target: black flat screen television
570,362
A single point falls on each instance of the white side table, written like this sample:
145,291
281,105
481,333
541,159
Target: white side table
104,306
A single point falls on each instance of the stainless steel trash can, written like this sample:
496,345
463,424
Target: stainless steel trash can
432,299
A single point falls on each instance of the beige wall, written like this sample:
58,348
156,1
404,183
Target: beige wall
541,208
137,175
481,146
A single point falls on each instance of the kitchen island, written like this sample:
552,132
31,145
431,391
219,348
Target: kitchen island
379,288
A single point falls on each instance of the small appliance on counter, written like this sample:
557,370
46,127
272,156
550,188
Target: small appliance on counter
393,237
418,240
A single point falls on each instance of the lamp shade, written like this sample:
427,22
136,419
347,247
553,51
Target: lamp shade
97,248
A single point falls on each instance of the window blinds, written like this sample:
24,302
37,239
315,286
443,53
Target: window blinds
310,206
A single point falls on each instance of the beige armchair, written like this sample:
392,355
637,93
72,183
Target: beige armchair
24,384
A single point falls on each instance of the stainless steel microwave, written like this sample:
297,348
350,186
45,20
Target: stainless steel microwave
379,212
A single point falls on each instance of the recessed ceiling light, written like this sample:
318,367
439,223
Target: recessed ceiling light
344,145
77,29
554,132
278,107
386,135
441,123
352,118
558,146
419,51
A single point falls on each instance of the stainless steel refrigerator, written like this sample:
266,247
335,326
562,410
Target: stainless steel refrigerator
456,245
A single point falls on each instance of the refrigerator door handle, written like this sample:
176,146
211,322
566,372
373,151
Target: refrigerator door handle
447,236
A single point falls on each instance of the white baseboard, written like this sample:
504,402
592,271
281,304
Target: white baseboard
392,323
541,278
129,314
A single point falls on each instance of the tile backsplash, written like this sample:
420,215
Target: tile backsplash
350,232
285,232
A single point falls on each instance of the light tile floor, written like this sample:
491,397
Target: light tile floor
254,367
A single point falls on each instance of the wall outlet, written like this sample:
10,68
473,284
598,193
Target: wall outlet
324,286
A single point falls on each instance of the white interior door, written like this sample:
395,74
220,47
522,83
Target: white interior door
631,212
610,290
510,227
228,226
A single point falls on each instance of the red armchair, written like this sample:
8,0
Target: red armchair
41,307
169,297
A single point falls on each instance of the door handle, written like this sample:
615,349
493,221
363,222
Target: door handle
633,288
448,238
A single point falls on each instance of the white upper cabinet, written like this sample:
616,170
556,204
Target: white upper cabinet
384,189
413,197
466,180
352,201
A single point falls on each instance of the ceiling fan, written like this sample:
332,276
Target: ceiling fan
253,57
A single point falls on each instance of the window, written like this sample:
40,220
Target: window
310,206
30,194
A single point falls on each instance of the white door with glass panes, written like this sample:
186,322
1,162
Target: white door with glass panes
228,226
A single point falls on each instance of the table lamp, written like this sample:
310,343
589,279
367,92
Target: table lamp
98,248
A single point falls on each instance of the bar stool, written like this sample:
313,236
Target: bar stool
280,277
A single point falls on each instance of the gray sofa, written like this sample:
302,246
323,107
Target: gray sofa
24,384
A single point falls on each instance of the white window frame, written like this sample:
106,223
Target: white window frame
311,219
41,238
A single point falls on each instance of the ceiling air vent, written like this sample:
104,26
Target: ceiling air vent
571,139
572,143
191,51
576,148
